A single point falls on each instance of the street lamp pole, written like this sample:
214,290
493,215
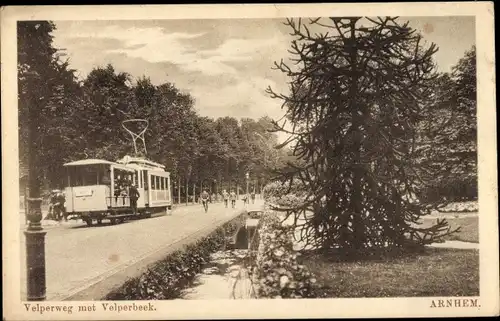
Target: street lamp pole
35,235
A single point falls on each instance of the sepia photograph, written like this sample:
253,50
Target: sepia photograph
304,156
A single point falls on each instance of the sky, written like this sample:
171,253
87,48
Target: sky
225,64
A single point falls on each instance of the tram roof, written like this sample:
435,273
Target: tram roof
89,162
140,162
84,162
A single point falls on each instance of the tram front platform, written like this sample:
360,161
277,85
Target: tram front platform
85,263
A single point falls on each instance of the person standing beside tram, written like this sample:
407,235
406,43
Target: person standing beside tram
61,205
134,196
54,208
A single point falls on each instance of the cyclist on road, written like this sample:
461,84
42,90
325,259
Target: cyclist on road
204,199
232,195
225,195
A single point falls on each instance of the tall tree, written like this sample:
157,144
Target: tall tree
357,94
108,98
449,135
47,84
465,151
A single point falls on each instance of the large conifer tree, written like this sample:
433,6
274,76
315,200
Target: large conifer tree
357,93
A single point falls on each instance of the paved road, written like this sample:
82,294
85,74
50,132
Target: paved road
78,256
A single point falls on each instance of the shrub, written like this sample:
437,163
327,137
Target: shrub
460,207
282,195
166,279
276,270
455,189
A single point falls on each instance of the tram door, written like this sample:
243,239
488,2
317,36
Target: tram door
142,187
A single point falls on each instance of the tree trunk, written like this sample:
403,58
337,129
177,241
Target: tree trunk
187,191
179,190
357,233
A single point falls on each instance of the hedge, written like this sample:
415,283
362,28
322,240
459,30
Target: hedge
276,270
456,189
166,279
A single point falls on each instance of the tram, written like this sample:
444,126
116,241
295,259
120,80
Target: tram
97,189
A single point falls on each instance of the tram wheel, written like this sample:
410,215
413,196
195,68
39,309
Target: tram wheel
120,220
88,221
99,222
113,221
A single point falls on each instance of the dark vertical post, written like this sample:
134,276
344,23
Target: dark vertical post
26,191
35,235
179,190
247,177
187,191
194,192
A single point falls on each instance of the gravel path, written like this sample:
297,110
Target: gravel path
456,245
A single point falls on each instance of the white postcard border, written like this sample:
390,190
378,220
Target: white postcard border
303,308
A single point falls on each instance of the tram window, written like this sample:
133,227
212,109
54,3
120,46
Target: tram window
83,175
105,180
158,182
153,182
162,183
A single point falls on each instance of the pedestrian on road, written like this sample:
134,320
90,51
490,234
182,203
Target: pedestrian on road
134,196
253,196
232,195
204,199
225,196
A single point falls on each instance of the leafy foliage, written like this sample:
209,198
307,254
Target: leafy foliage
83,119
449,136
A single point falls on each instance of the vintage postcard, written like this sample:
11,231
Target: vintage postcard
249,161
